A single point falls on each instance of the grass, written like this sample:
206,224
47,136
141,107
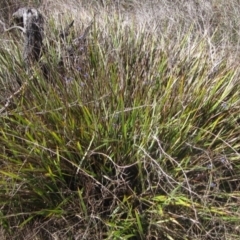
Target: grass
137,137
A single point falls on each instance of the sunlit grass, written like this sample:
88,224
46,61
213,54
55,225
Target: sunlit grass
139,139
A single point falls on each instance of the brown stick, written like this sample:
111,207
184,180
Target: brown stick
31,23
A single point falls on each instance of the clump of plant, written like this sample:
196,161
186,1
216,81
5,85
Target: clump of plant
134,137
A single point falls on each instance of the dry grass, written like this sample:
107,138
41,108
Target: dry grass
136,136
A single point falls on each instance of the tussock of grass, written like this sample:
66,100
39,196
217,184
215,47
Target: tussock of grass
137,137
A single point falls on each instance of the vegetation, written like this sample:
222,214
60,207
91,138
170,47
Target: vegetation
135,136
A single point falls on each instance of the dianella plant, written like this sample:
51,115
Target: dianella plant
119,120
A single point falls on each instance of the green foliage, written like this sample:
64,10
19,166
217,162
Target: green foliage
135,141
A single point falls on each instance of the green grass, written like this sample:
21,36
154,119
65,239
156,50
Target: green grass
137,139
